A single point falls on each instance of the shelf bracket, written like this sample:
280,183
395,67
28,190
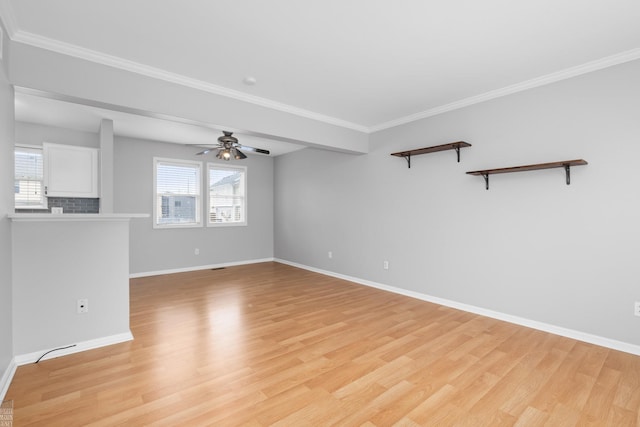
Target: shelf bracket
567,169
408,158
486,180
457,148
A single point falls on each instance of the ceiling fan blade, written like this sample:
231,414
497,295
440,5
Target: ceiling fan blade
208,150
255,150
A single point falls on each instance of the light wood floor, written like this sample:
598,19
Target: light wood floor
269,344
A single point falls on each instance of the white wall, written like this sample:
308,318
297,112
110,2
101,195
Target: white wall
6,206
531,246
156,250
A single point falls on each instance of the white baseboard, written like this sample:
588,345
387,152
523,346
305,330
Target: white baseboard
546,327
199,267
25,359
5,381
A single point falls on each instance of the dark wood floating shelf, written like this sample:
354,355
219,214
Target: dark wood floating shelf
451,146
566,164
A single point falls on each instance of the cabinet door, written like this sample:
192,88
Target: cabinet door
70,171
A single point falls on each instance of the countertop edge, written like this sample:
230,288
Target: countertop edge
75,217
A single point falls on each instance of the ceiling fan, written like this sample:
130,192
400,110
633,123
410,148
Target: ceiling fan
229,147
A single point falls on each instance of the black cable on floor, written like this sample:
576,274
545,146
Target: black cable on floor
55,349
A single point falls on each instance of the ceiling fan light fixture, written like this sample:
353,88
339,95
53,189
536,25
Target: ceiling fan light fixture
224,154
238,155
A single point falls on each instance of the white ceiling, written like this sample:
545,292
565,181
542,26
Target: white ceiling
364,64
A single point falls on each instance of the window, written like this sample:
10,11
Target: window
227,195
177,193
29,176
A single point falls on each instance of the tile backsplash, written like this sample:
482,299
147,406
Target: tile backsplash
68,205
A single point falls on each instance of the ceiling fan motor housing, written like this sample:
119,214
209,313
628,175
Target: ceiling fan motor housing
227,140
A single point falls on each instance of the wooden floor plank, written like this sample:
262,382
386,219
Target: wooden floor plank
270,344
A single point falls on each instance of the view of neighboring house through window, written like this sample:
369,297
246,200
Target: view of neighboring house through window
227,195
177,193
28,185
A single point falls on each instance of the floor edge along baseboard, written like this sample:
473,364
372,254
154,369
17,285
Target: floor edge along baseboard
198,267
534,324
7,377
71,348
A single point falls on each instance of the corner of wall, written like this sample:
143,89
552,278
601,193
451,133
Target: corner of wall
7,362
5,380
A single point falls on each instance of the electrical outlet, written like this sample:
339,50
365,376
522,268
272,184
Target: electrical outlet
330,254
83,306
637,309
385,265
196,251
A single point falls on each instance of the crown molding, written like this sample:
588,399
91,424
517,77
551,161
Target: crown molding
157,73
609,61
15,34
8,18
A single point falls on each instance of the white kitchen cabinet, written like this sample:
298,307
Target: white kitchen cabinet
70,171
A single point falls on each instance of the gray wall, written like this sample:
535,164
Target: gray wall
531,246
55,263
36,134
153,250
6,206
156,250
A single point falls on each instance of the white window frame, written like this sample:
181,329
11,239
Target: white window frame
198,195
44,205
244,170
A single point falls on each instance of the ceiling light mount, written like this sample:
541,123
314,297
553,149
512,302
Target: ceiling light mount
249,81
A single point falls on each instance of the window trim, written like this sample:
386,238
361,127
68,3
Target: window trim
246,197
198,210
45,201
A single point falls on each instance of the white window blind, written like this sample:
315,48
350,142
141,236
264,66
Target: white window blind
177,186
28,184
227,195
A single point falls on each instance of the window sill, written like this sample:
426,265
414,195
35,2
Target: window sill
227,224
174,226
